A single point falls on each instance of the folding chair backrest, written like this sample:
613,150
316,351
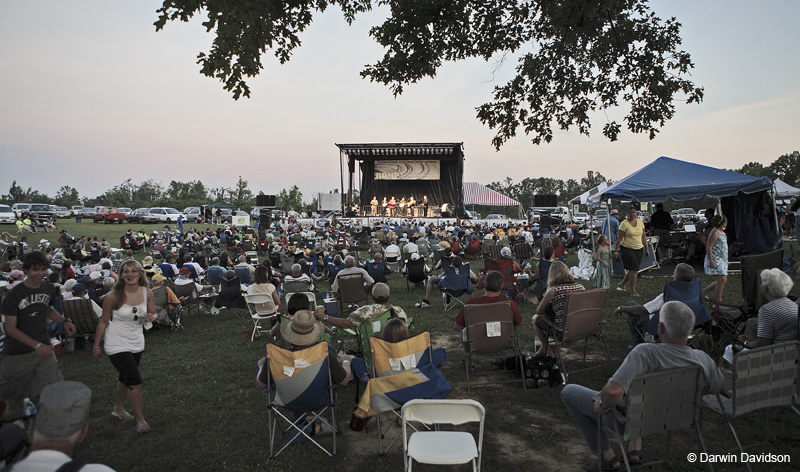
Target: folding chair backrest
351,287
230,286
751,276
416,270
444,412
192,270
215,276
294,286
663,401
583,314
369,328
522,251
301,378
691,294
160,296
377,270
186,290
262,303
456,278
490,327
243,273
312,299
167,272
391,358
765,377
82,315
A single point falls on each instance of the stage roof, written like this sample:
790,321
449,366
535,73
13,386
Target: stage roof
378,151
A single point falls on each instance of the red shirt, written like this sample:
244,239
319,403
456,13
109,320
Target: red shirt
490,299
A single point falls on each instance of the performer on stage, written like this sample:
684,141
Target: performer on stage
385,205
403,206
411,204
392,206
374,206
424,205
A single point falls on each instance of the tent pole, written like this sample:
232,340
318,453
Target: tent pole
775,213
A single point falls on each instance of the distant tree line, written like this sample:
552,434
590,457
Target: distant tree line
176,194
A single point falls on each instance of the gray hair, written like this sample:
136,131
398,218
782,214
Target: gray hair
684,272
296,269
349,261
678,319
378,256
777,282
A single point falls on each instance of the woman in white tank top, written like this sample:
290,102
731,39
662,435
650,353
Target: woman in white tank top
125,311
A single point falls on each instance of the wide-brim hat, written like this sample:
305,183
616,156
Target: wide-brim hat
302,330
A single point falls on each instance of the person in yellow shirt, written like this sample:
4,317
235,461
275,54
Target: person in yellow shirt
633,240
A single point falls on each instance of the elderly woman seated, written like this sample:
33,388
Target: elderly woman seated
777,319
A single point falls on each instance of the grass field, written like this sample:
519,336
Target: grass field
206,414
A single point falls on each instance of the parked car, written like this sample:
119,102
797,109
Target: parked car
580,218
62,212
168,215
141,215
192,214
226,214
41,210
21,209
76,210
496,216
687,214
125,210
88,212
109,215
7,214
701,216
473,215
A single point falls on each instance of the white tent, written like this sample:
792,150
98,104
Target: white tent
584,197
784,190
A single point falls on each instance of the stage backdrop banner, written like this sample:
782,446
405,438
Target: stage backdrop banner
407,170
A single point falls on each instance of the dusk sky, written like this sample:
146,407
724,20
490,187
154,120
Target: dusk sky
91,96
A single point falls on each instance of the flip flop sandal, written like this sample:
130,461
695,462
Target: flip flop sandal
639,457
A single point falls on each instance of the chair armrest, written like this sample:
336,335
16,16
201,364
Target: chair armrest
552,325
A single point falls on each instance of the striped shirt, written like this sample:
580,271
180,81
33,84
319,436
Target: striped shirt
560,299
777,320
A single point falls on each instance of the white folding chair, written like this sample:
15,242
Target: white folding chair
261,307
442,447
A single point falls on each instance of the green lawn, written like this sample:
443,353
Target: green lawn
206,413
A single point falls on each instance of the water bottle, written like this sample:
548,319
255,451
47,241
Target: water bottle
28,408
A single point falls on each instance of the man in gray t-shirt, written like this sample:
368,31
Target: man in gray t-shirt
584,405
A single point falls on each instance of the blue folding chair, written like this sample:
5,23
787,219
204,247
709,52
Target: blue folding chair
377,270
691,294
167,272
455,284
299,383
215,276
244,275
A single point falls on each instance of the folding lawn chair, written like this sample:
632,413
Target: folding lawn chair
401,372
489,329
690,293
455,284
80,311
261,307
299,382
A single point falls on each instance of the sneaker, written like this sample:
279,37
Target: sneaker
422,304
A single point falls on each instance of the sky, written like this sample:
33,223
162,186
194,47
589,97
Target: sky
92,95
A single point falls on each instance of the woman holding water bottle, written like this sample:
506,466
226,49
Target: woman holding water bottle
128,309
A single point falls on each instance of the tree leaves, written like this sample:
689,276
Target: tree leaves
576,56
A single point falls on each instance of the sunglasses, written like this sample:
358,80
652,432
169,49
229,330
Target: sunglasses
135,316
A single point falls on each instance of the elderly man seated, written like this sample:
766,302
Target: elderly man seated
585,405
80,291
639,315
380,299
350,268
297,275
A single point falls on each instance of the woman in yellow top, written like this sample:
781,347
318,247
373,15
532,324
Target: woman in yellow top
634,243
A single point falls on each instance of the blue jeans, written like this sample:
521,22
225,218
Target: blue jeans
579,401
637,325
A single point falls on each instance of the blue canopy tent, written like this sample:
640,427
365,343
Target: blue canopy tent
745,200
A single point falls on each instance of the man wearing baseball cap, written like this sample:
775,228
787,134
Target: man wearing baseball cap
60,424
380,297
